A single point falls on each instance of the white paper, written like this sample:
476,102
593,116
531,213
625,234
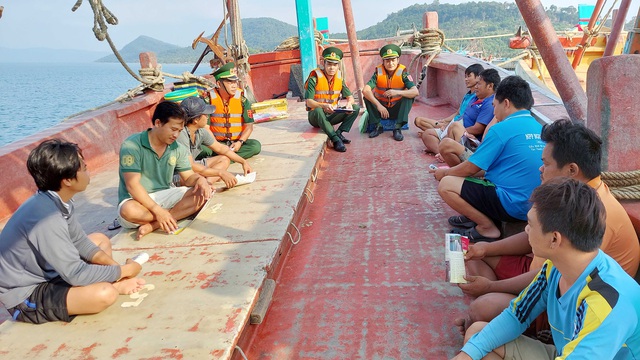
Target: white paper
245,179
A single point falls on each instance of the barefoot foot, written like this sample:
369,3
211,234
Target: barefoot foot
129,286
462,324
143,230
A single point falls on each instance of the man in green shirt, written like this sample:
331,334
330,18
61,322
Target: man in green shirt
390,93
323,90
147,163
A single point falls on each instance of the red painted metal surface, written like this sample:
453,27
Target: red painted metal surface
367,279
564,79
353,46
618,24
113,123
612,111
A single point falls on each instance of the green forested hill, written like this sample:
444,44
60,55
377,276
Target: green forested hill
472,19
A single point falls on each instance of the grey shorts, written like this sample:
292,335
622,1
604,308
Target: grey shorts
526,348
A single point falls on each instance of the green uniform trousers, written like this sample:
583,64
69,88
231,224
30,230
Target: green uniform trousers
318,119
250,148
399,112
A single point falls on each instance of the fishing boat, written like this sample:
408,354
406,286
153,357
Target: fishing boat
587,41
326,255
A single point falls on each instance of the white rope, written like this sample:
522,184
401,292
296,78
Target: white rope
241,352
291,237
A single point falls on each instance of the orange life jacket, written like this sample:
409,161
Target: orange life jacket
226,123
385,83
325,92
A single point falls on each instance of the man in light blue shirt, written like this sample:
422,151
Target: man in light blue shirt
510,155
590,300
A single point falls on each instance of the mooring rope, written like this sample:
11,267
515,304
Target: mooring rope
623,185
293,42
150,78
431,41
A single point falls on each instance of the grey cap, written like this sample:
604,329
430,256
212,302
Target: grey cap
195,106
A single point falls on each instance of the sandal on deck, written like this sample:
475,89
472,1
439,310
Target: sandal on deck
114,225
461,221
473,235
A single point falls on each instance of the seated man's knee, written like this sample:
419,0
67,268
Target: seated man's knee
106,295
101,240
256,146
488,306
475,328
446,145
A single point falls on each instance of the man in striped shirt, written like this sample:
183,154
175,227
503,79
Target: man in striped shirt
590,300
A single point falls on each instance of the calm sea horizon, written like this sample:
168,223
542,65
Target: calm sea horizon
37,96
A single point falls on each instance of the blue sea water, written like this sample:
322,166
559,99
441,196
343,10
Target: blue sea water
36,96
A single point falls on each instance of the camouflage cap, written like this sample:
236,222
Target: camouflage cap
390,51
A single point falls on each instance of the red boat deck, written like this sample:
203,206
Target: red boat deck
367,279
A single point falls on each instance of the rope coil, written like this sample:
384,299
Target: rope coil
623,185
431,42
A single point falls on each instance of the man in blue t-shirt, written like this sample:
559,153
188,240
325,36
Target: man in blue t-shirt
590,300
510,155
479,112
432,131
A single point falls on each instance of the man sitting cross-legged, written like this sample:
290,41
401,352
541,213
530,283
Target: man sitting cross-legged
432,131
50,270
592,304
147,200
509,155
498,271
195,134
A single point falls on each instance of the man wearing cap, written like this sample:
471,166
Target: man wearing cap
323,90
195,134
390,93
232,121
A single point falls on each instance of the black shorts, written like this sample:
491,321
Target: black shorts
48,302
481,194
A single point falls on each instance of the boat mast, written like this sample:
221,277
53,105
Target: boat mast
353,47
562,74
306,35
618,24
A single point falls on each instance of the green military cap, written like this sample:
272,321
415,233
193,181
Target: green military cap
332,54
390,51
226,72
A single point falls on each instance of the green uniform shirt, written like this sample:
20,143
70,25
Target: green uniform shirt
406,79
311,88
247,114
136,155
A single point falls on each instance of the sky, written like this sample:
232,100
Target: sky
52,24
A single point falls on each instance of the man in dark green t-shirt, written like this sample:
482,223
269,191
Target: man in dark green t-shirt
147,163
